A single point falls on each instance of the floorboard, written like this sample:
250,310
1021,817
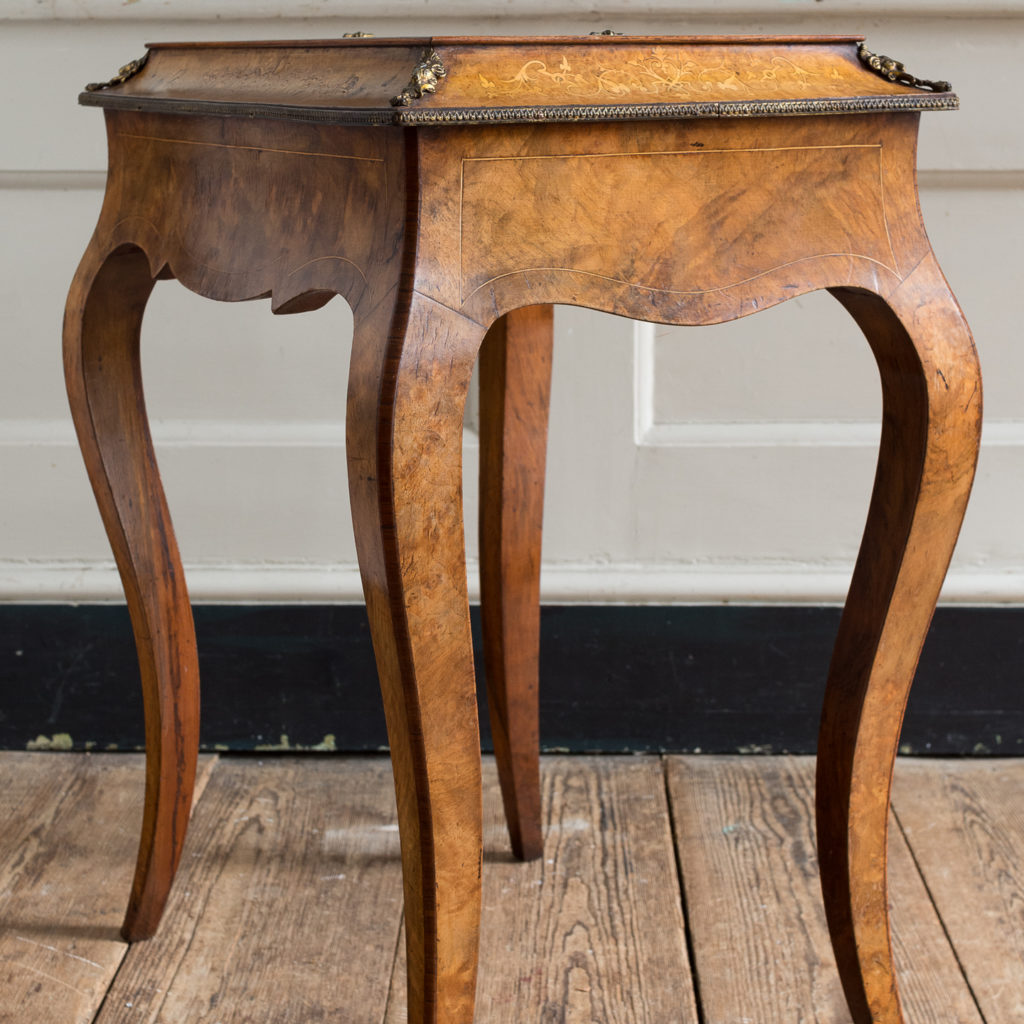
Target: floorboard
67,853
965,822
744,829
592,931
288,903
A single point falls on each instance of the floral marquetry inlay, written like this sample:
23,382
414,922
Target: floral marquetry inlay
657,73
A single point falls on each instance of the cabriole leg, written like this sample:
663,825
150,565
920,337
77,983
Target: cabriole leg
104,382
515,390
405,412
931,422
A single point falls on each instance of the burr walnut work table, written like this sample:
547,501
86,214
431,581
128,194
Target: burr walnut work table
451,190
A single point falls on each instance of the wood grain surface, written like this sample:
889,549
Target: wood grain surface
593,929
288,905
964,822
744,829
931,428
66,858
103,374
847,183
515,392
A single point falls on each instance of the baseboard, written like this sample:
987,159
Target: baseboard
614,678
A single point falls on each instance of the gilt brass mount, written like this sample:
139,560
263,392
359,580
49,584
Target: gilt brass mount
129,70
894,71
425,78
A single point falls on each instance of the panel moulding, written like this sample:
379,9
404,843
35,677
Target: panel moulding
649,433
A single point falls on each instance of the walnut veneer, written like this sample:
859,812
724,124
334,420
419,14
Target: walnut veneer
451,190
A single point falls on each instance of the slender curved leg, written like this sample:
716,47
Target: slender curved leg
515,390
931,421
101,363
407,390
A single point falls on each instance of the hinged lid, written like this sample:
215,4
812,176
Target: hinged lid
464,80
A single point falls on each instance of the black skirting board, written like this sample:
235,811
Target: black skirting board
716,679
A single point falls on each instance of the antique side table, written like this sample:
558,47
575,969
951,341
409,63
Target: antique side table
451,190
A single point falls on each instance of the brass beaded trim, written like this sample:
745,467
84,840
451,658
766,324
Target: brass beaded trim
666,111
527,115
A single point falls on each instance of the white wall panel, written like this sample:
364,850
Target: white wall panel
803,360
728,463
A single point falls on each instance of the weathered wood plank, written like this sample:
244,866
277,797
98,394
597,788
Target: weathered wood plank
964,823
67,851
287,906
744,828
262,924
592,931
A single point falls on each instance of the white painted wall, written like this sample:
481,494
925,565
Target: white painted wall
724,463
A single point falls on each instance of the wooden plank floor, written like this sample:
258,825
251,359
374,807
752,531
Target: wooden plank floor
288,904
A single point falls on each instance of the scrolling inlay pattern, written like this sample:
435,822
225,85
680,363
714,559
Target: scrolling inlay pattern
697,186
655,74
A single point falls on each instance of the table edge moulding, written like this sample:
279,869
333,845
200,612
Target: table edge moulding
452,190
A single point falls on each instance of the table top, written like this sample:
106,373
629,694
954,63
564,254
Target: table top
487,80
